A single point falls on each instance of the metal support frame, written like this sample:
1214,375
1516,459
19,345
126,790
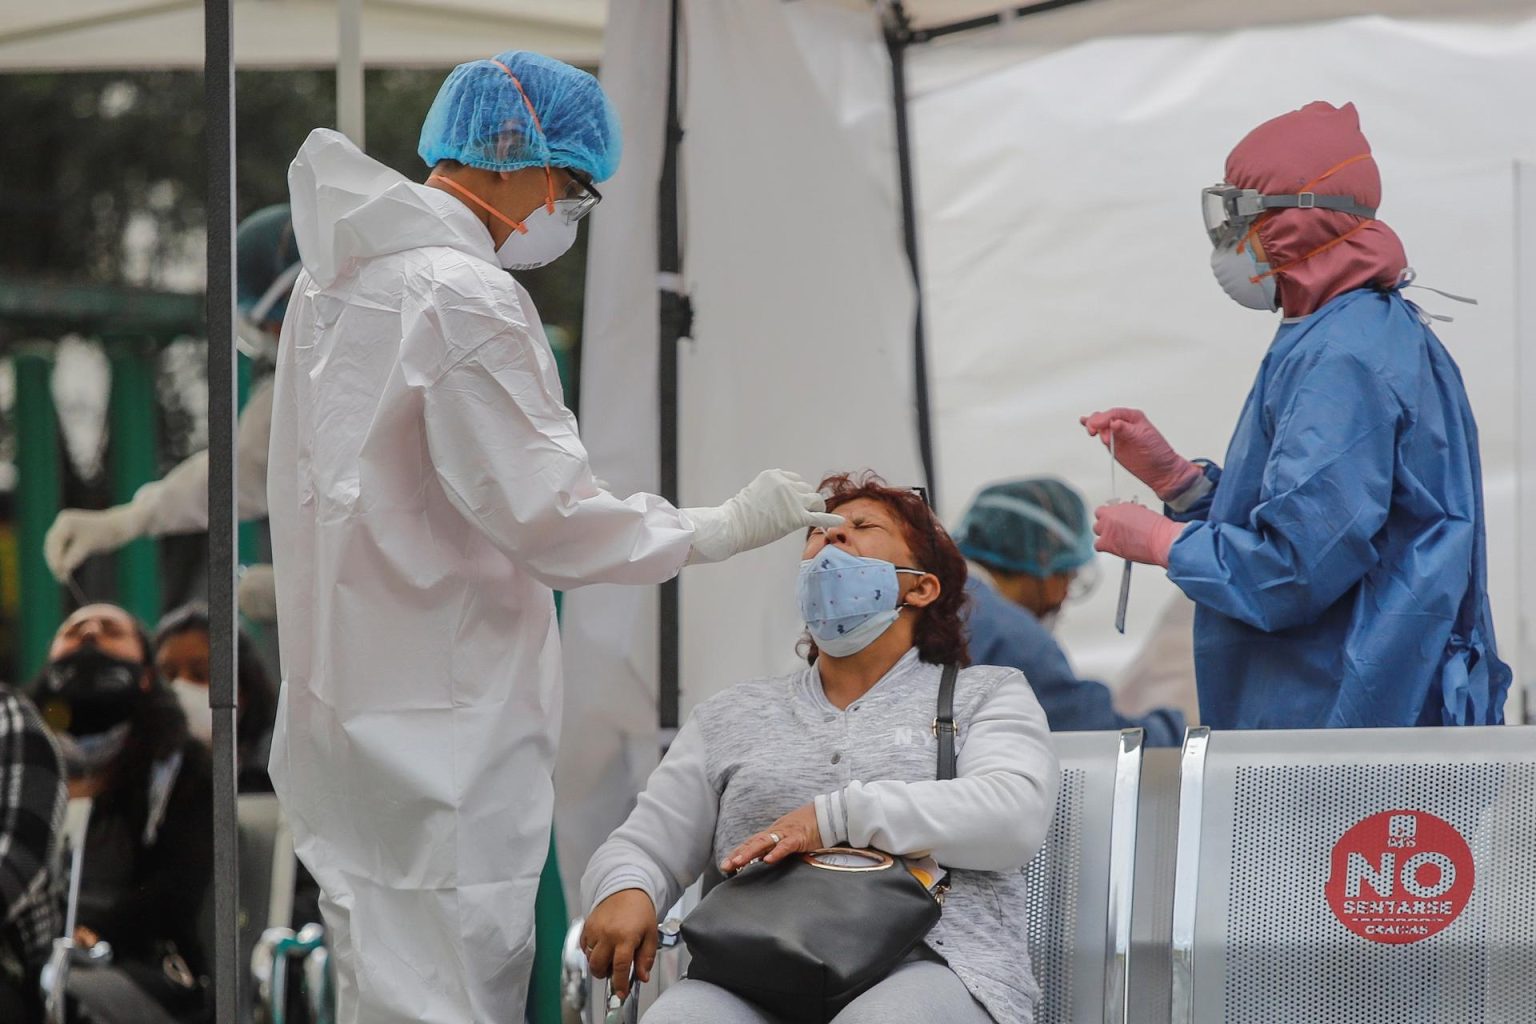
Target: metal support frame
349,70
1122,877
1002,17
1525,441
1186,872
131,463
37,502
898,36
676,324
219,128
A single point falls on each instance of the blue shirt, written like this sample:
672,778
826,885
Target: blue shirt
1340,565
1006,634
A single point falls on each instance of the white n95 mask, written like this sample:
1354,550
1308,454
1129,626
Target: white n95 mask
195,704
546,236
848,602
542,237
1235,267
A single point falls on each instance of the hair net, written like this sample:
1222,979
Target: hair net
1318,254
265,252
481,118
1037,526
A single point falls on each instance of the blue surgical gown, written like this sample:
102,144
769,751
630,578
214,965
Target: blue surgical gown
1340,565
1003,633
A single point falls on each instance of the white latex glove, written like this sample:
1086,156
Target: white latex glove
774,505
77,534
257,593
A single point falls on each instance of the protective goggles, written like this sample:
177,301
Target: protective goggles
581,194
1230,211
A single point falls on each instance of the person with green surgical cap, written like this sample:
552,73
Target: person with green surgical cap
1027,541
428,490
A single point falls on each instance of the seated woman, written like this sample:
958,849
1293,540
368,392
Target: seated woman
842,752
181,655
149,847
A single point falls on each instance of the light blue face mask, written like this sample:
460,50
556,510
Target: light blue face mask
848,601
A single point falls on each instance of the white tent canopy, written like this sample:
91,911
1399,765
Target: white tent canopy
84,34
99,34
1063,269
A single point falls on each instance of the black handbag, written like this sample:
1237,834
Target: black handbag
803,938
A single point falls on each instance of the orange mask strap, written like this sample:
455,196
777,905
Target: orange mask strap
517,226
1320,249
549,178
1335,169
1330,172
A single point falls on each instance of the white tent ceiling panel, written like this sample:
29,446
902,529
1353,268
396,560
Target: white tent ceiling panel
86,34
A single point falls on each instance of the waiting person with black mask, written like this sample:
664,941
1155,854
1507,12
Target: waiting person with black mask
181,656
149,849
32,874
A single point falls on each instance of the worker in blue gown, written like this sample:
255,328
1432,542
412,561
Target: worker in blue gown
1338,561
1027,542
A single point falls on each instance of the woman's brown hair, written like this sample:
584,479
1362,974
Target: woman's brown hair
939,634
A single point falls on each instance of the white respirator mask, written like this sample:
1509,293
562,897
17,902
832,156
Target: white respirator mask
1245,280
537,240
546,236
195,704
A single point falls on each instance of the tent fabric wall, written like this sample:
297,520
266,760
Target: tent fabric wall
799,359
609,632
1064,270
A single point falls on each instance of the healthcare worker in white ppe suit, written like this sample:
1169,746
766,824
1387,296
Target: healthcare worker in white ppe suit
427,491
266,264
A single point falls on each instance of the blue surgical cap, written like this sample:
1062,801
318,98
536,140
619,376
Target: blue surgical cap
1038,526
482,120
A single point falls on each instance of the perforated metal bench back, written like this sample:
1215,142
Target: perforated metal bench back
1269,946
1069,884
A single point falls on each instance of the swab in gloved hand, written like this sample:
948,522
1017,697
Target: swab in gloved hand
774,505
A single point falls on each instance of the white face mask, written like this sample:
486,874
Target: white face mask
549,236
1235,271
193,698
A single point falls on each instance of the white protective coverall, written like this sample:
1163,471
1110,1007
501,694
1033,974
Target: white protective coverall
427,490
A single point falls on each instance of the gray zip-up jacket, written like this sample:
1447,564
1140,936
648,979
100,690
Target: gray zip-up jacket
767,746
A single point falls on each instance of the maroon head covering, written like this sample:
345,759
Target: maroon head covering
1314,254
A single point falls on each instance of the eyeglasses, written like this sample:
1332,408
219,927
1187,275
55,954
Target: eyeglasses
581,194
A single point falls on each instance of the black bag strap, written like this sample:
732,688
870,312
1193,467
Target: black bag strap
944,724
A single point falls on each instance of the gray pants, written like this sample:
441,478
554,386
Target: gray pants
916,992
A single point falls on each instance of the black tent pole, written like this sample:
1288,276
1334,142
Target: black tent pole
219,129
898,34
676,323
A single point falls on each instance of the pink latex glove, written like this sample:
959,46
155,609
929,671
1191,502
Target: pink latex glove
1142,450
1135,532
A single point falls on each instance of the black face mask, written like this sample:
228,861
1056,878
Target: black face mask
89,692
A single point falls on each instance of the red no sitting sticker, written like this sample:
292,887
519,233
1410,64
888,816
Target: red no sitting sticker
1399,876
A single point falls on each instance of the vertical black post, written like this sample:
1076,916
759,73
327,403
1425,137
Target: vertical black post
675,325
897,36
219,126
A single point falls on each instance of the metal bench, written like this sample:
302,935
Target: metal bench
1368,876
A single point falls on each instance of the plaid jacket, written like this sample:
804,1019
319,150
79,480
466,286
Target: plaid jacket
32,871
